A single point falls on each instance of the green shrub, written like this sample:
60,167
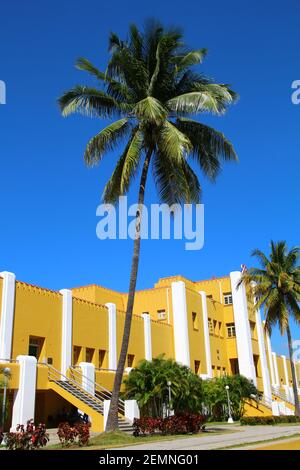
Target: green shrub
258,420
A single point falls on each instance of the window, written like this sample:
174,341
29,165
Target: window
35,346
76,355
252,328
210,326
234,365
228,299
102,358
195,320
89,354
215,326
230,330
220,329
197,367
130,360
161,314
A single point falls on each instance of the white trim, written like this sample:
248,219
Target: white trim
66,334
271,363
88,379
242,328
206,334
131,410
112,335
263,357
147,336
180,323
7,314
24,400
277,383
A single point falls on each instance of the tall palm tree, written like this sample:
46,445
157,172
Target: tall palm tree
150,87
276,286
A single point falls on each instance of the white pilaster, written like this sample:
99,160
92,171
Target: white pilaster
7,314
23,407
242,328
180,320
206,334
66,336
270,357
88,377
131,410
277,383
106,405
263,357
112,336
147,336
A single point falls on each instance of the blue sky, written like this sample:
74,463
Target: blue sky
49,198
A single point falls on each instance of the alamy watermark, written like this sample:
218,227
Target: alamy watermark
295,97
2,92
159,221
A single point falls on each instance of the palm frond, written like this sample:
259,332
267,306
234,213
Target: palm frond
209,146
105,140
150,110
90,102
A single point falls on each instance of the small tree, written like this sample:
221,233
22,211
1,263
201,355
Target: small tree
215,396
148,384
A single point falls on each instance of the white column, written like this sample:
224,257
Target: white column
271,363
131,410
180,320
206,334
277,383
88,377
7,314
66,337
263,357
242,328
112,336
147,336
106,405
24,401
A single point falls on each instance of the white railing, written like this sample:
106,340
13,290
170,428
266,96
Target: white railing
282,396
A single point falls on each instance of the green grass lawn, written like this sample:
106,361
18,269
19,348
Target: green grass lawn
120,439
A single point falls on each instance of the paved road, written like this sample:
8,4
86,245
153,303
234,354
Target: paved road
238,435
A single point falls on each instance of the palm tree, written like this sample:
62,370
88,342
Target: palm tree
148,384
150,87
276,286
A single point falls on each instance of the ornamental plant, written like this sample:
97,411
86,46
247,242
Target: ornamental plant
29,437
79,434
182,423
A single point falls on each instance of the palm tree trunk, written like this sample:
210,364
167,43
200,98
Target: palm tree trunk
112,419
295,386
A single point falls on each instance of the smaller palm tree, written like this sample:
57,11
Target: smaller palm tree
276,287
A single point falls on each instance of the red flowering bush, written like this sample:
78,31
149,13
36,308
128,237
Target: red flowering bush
27,437
182,423
78,434
146,425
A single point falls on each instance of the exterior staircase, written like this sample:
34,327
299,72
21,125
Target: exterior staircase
278,394
71,389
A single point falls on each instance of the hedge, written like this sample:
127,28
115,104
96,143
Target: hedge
257,420
181,423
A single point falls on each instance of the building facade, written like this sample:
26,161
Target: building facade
62,347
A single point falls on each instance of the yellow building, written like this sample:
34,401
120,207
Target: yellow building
62,347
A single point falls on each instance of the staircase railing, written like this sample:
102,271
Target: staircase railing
101,392
56,376
282,396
